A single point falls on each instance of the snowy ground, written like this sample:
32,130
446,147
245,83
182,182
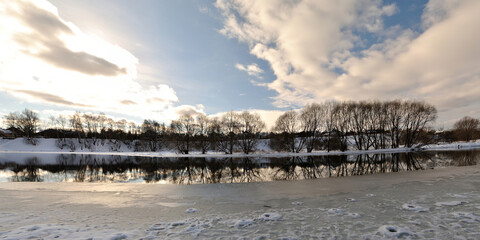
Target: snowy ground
432,204
48,146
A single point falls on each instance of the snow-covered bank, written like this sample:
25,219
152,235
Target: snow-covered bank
48,146
432,204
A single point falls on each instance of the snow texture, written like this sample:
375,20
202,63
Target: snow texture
395,231
449,203
238,211
270,217
413,207
191,210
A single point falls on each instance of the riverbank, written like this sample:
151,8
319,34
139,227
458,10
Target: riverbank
47,146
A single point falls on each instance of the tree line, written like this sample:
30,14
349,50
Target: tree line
366,124
361,125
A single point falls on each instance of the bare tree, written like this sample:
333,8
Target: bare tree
341,116
91,126
372,124
11,120
417,116
102,124
121,125
329,122
152,132
467,129
288,125
312,120
215,135
230,128
77,124
250,127
62,121
382,125
359,111
52,122
132,128
27,122
394,115
184,127
203,126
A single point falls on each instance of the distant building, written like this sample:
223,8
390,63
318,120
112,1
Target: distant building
7,134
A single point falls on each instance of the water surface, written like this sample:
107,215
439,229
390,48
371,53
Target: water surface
26,167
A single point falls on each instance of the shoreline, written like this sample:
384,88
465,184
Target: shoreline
458,146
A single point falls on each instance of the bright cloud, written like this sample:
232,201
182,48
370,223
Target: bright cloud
189,110
45,59
312,48
438,10
252,69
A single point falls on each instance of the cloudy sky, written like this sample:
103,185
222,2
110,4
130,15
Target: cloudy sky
157,59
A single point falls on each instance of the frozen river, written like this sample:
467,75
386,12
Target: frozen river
442,201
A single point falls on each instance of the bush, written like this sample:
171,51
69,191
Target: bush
31,140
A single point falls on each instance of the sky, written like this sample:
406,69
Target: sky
157,60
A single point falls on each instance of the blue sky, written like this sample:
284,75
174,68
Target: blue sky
181,40
163,58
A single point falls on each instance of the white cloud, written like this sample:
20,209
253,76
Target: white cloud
251,69
299,39
188,109
268,116
438,10
439,65
310,48
48,60
203,9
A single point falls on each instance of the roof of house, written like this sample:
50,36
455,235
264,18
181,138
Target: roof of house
5,131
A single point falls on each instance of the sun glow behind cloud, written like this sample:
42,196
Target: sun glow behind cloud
47,60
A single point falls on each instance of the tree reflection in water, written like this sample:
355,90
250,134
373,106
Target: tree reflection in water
97,168
463,158
29,172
